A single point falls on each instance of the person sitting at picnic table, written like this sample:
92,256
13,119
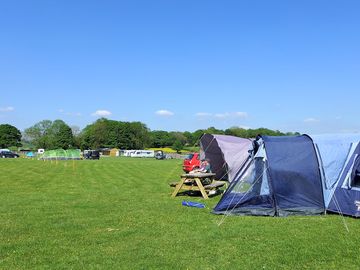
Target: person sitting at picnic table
204,168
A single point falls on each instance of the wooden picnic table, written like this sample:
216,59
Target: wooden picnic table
192,182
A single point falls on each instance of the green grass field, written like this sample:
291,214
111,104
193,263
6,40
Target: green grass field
118,214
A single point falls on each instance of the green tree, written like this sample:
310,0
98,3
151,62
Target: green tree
212,130
38,134
60,135
9,136
93,136
76,134
110,133
197,135
189,138
178,146
178,136
50,135
159,138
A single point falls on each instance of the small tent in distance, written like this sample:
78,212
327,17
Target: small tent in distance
61,154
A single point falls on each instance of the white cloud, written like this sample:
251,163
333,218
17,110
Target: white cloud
222,115
231,115
101,113
311,120
245,127
164,113
7,109
203,114
241,114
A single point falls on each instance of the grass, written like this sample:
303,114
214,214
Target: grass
117,213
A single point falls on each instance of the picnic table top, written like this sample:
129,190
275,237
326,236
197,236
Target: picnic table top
197,175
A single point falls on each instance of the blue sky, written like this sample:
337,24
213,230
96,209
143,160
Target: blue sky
182,65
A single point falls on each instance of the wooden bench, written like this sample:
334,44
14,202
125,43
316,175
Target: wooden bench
215,185
192,182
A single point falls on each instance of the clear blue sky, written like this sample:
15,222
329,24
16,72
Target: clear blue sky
182,65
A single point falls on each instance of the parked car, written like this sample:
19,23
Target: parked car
8,154
160,155
91,154
191,162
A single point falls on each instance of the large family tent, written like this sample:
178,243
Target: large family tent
61,154
339,157
282,178
227,154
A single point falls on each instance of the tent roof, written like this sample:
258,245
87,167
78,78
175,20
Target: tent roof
227,154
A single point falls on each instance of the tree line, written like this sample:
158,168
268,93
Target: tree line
105,133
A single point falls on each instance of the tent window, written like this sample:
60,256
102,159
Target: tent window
355,175
356,181
254,180
352,180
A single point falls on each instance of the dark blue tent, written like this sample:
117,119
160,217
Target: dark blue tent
281,179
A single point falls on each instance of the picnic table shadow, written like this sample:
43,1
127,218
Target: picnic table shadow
197,193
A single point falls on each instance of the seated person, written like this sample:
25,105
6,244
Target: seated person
204,168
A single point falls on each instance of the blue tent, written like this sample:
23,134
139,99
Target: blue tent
339,157
30,155
282,178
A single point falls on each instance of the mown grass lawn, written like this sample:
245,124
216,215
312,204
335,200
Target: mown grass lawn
118,214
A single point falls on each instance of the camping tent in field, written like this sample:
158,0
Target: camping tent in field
61,154
282,178
339,157
30,155
227,154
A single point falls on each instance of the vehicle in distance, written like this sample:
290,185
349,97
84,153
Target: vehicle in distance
91,154
191,162
143,154
160,155
8,154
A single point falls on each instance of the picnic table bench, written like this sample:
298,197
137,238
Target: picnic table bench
193,182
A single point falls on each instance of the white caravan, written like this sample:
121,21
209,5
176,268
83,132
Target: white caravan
143,153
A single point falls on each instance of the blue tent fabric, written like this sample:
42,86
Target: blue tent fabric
346,196
30,154
295,175
284,180
338,155
250,193
193,204
333,152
